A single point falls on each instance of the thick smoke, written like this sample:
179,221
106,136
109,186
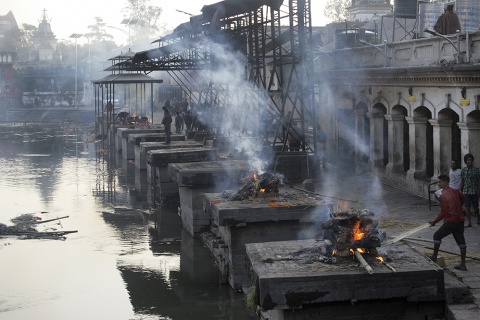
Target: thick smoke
243,108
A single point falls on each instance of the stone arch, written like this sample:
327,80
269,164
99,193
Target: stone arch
399,140
378,135
362,133
470,135
447,138
423,161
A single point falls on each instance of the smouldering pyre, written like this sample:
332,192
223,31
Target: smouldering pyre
256,185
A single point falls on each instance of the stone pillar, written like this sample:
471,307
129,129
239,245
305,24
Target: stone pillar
442,146
360,143
470,136
418,147
395,142
376,138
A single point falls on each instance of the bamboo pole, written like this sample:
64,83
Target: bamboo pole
406,234
362,261
44,221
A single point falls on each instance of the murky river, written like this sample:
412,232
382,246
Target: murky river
126,261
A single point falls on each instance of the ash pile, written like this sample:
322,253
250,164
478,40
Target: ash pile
348,232
256,186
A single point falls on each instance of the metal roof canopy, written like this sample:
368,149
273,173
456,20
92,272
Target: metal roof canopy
126,78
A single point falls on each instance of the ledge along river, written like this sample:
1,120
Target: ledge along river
127,261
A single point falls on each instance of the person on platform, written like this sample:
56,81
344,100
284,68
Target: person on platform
167,123
448,22
451,201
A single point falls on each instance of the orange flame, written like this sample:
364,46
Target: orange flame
380,259
360,250
358,234
255,178
334,252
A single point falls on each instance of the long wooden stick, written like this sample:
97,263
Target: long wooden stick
389,266
406,234
319,194
444,251
362,261
44,221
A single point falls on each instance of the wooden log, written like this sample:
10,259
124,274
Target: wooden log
362,261
389,266
406,234
44,221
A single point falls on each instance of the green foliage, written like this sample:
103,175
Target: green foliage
251,298
337,9
146,18
97,31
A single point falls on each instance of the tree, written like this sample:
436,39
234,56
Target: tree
145,16
97,31
337,9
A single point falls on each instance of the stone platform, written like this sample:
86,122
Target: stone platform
197,178
133,140
142,149
157,167
288,276
122,134
290,216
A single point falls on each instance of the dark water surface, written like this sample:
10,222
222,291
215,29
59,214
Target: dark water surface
127,261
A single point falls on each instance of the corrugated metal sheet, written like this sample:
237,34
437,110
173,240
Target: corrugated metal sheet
127,78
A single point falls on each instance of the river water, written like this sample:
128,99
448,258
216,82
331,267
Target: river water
127,260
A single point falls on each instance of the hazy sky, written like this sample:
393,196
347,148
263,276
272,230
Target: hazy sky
69,17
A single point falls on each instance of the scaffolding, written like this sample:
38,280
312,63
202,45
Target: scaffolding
274,40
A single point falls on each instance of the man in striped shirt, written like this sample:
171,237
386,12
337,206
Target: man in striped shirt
470,187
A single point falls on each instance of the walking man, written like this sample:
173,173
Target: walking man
451,201
167,123
470,186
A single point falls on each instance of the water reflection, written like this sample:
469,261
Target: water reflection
127,261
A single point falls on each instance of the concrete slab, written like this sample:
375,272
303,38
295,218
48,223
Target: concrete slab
290,216
289,275
157,167
129,143
289,206
122,133
197,174
143,148
197,178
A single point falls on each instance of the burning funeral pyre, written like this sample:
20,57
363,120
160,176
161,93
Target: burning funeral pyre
256,185
351,233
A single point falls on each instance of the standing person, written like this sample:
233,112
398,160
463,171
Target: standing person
455,175
178,122
448,22
188,119
470,187
451,201
167,123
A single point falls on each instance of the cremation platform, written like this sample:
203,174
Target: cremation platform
292,215
289,275
157,167
196,178
133,140
122,134
142,149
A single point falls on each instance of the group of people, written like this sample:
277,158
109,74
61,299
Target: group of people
182,118
459,189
